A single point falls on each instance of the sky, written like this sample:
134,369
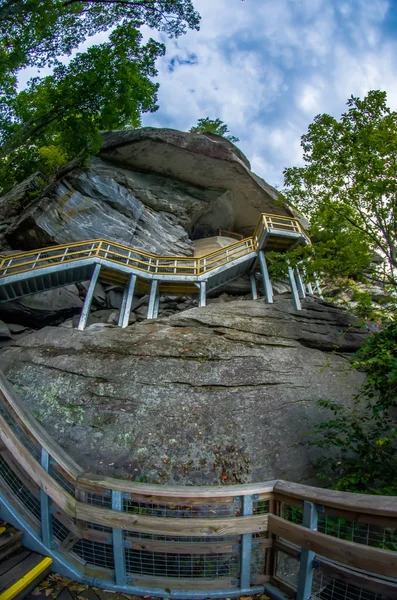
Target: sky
267,67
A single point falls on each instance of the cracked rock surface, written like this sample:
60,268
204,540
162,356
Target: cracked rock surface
217,394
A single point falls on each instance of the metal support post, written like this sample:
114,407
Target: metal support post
156,306
299,282
118,542
254,290
294,289
267,284
246,545
88,299
317,284
45,505
203,294
127,301
305,579
152,300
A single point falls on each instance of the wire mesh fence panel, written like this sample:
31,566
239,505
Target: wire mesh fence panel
360,533
184,566
95,553
183,511
59,530
61,478
329,587
291,513
258,561
99,500
20,491
287,568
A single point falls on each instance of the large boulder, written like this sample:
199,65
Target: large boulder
154,189
224,393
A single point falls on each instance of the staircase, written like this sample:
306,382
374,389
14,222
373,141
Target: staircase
21,570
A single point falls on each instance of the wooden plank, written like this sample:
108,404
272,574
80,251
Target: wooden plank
222,583
373,560
363,503
38,432
15,467
23,575
287,548
170,526
64,500
339,513
361,580
96,483
10,563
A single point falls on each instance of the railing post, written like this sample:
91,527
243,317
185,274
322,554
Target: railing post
294,289
246,545
127,301
88,299
45,506
305,579
267,285
118,542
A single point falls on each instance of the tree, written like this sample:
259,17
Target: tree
351,172
214,126
107,87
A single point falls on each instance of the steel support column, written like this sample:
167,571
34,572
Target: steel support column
88,299
152,300
127,302
305,579
156,306
45,505
246,545
254,290
317,285
267,284
203,294
118,542
299,283
294,289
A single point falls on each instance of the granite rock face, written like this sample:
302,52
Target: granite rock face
222,393
154,189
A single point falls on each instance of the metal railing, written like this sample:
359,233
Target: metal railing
187,541
145,262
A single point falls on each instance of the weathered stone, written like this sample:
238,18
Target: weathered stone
52,306
5,333
15,201
227,390
114,298
99,297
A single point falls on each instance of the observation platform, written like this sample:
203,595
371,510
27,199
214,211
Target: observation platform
57,266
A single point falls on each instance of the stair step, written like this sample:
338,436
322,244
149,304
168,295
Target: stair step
10,540
21,573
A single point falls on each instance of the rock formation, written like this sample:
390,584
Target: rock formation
217,394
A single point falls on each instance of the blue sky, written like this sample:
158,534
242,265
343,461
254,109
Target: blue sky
267,67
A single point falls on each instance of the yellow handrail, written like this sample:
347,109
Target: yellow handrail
145,261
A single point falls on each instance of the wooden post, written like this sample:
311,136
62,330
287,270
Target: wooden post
88,299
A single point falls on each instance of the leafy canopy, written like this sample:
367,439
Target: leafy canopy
214,126
349,183
107,87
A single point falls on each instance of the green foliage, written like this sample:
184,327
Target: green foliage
348,186
107,87
214,126
361,442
